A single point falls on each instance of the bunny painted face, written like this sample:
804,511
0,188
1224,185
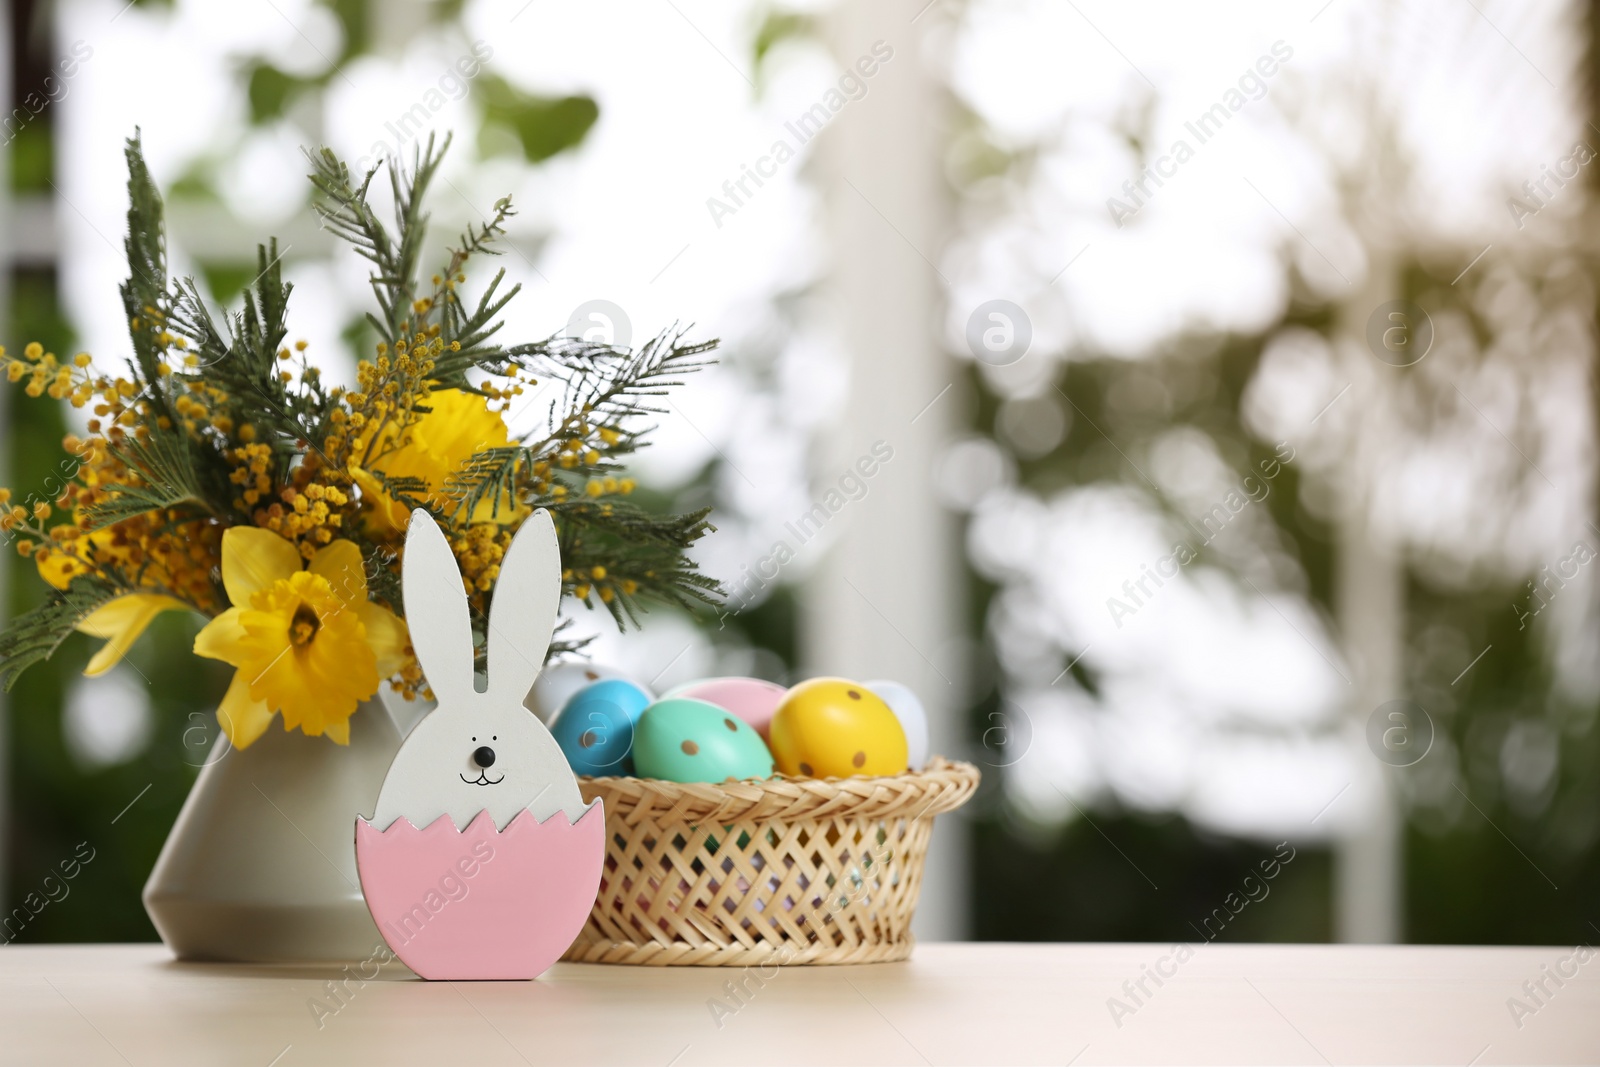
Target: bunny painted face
480,751
483,758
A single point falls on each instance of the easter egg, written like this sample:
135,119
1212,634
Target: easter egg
913,718
833,728
752,699
685,740
595,727
559,681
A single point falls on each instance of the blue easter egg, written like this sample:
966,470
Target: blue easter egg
595,727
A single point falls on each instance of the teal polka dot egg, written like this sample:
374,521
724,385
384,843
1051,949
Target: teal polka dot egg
686,740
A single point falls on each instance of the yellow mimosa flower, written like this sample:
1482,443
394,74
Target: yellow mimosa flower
307,644
459,425
120,622
58,568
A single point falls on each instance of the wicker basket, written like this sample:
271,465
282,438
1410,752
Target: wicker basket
787,870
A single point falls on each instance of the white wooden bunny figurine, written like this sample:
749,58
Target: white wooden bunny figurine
480,751
482,860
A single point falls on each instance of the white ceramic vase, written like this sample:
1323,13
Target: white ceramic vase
260,866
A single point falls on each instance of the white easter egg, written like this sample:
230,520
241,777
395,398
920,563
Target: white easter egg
913,718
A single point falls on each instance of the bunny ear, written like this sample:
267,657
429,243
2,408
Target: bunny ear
527,597
436,610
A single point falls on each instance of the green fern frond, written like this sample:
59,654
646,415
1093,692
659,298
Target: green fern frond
35,636
166,468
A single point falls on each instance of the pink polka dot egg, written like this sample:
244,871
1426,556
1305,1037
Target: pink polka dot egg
751,699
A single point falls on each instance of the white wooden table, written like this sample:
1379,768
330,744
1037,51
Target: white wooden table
968,1003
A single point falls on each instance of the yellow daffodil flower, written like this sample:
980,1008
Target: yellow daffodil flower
120,622
459,426
307,644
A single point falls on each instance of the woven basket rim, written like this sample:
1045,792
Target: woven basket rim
942,785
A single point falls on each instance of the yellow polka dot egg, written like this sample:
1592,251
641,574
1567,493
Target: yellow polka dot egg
836,728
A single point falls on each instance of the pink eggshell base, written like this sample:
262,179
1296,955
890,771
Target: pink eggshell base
482,904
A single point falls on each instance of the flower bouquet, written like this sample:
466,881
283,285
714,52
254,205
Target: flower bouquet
221,473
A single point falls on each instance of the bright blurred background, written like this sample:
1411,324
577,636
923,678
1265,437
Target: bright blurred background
1235,361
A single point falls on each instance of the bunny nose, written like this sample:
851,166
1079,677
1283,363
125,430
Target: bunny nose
483,756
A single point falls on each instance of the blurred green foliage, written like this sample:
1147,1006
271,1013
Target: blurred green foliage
271,91
778,26
32,159
1481,861
543,125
